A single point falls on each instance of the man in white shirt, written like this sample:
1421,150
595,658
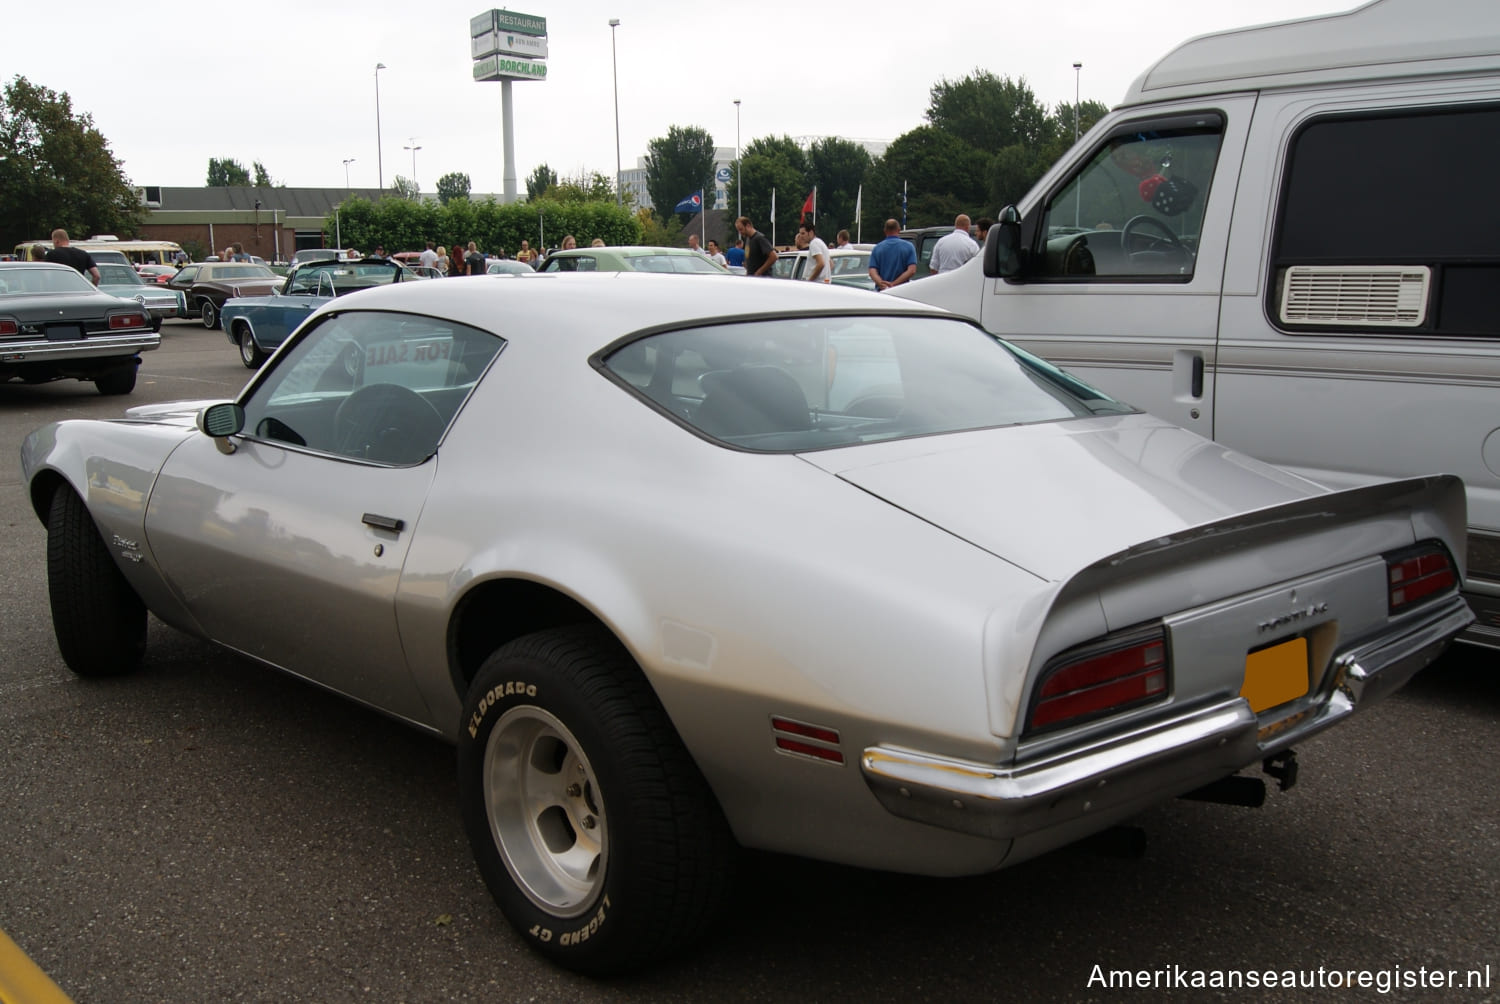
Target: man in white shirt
429,258
818,267
954,249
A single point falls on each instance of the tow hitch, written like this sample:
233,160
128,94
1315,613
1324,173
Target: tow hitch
1249,792
1283,767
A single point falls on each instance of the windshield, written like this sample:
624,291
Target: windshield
118,275
21,281
793,384
239,272
337,278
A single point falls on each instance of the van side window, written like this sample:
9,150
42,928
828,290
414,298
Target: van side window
1391,221
1135,210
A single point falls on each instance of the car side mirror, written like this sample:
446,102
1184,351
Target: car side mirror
221,421
1002,249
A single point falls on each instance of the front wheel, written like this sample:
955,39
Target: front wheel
591,825
99,621
210,314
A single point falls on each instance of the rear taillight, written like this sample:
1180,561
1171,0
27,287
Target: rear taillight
1110,675
9,327
1417,575
132,319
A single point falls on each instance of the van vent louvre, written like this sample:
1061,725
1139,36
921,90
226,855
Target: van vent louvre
1381,295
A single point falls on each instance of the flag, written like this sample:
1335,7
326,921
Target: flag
859,198
691,204
903,205
810,206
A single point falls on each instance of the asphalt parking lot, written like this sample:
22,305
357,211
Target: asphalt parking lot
209,830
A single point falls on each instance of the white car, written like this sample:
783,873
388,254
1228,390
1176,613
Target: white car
685,566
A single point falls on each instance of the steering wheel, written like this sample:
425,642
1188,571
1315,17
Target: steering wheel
1161,241
387,423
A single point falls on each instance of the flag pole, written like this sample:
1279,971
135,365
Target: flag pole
859,208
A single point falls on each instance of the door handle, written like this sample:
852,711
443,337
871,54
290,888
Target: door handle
379,522
1197,376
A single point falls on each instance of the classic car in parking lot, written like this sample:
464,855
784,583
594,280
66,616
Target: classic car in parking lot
850,266
205,286
258,324
124,282
633,259
682,567
55,325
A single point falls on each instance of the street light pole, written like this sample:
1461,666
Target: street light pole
347,162
739,183
1077,73
379,154
413,148
614,60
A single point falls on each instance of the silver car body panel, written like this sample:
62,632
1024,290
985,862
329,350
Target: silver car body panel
845,588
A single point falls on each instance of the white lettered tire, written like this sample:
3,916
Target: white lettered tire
591,825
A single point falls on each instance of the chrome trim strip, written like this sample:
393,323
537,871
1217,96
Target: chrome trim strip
98,345
1147,764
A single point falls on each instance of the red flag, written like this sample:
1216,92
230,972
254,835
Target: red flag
809,206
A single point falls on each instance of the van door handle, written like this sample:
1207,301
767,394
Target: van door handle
379,522
1197,376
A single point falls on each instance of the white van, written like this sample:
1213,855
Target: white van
1286,238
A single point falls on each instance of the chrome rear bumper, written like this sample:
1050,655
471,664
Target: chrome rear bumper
1131,771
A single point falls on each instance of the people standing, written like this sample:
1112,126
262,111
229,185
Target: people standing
953,249
715,254
237,252
818,267
474,261
65,253
894,260
760,253
525,254
568,242
693,243
842,240
429,257
597,242
983,226
735,256
443,263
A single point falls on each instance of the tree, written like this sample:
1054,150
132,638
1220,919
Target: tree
226,171
58,171
838,167
405,188
593,187
989,113
772,165
454,185
538,181
677,165
941,175
262,176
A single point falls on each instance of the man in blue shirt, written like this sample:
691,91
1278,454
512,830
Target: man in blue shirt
894,260
736,255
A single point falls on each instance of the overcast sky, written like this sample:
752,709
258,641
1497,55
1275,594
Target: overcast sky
293,86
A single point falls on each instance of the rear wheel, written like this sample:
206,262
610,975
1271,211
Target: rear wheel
120,381
99,621
209,313
591,825
250,353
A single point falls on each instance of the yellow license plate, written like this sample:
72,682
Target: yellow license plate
1275,675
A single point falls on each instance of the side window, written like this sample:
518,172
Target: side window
1135,210
1389,221
371,386
785,266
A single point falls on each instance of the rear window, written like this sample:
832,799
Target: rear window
793,384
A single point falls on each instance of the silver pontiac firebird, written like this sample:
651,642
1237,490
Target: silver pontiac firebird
684,566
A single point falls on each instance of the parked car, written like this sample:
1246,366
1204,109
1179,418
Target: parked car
850,267
507,266
258,324
124,282
319,254
633,259
159,274
55,325
682,566
206,286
